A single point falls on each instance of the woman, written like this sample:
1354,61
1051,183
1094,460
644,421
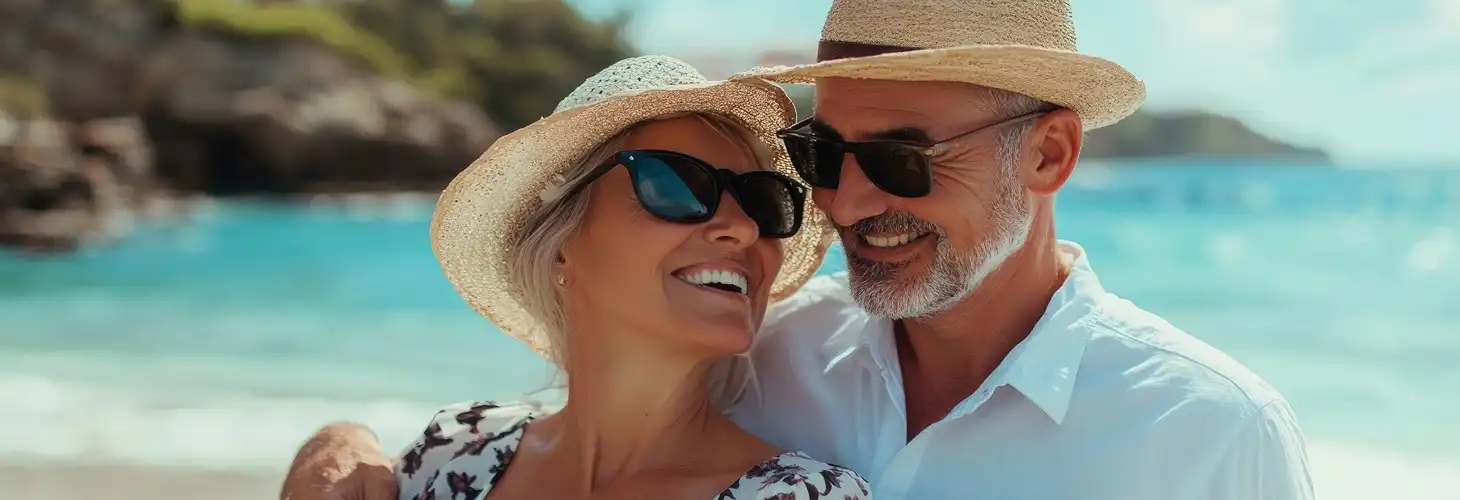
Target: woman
634,238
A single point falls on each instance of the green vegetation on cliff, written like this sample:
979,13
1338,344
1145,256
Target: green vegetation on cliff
318,22
514,59
21,98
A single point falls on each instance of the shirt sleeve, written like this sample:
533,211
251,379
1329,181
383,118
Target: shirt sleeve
1266,460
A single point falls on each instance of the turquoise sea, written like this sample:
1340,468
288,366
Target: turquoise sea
223,340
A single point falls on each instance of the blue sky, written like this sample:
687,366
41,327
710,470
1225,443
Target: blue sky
1376,82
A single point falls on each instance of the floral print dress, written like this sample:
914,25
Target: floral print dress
467,446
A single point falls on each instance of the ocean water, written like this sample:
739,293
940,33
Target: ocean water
223,340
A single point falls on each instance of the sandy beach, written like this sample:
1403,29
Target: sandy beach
63,481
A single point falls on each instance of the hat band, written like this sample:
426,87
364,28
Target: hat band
830,50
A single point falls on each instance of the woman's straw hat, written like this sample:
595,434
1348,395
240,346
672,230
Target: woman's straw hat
483,210
1023,46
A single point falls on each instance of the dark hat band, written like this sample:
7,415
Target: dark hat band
831,51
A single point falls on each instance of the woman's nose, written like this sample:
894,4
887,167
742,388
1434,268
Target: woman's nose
731,225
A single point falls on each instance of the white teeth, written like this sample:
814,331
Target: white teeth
709,276
890,241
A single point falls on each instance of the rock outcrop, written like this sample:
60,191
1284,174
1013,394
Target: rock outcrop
62,185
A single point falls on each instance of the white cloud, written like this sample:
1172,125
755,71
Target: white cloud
1224,26
1370,102
1429,86
1428,40
1218,54
1448,10
707,25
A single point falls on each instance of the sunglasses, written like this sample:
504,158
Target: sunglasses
677,187
900,168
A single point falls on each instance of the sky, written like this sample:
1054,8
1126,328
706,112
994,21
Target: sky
1374,82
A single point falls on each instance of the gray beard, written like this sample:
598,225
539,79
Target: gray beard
896,292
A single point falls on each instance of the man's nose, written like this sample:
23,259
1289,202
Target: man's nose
855,197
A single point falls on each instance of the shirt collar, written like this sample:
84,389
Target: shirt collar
1043,367
861,335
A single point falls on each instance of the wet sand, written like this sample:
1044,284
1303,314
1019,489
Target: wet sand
64,481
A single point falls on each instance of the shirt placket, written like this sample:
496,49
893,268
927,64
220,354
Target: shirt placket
901,471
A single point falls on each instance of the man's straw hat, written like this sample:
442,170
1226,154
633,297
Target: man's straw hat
484,209
1023,46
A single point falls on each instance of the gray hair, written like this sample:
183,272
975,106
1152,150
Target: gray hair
1007,104
538,246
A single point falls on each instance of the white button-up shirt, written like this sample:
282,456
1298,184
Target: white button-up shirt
1103,401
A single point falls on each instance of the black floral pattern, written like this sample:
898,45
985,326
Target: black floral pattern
489,433
474,415
462,484
429,492
431,438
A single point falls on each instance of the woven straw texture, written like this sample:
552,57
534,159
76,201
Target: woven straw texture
1024,46
482,211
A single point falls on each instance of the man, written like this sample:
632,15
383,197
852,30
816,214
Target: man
967,352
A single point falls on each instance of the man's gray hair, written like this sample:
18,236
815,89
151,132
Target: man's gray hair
1007,105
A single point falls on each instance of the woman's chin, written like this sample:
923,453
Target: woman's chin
722,336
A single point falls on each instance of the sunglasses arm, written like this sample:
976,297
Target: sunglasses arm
559,187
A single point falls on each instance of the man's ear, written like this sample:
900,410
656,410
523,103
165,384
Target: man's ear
1056,141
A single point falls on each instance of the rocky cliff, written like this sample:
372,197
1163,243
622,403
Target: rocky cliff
271,112
217,110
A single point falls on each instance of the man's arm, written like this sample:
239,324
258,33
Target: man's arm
342,461
1267,460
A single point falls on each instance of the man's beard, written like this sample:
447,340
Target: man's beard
893,291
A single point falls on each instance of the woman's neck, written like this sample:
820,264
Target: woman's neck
633,410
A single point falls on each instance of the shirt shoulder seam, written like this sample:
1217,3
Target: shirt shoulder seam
1254,404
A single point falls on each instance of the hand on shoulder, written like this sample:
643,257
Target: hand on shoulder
341,461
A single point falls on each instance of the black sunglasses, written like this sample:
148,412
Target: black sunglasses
900,168
677,187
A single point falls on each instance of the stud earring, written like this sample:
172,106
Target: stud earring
562,280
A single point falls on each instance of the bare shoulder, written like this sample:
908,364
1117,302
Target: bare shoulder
796,476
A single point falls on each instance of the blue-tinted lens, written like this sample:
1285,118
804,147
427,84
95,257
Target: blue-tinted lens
664,187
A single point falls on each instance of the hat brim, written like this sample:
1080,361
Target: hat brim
481,212
1099,90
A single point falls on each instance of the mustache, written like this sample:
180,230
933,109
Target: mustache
894,222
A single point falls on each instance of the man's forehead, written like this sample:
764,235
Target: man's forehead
884,109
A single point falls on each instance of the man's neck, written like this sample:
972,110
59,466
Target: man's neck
948,356
629,412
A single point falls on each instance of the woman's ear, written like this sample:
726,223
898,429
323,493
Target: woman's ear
560,269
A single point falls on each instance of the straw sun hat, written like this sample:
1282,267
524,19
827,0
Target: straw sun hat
1024,46
483,210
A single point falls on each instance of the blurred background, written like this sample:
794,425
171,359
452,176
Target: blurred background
213,215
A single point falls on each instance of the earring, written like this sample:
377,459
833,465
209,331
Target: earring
562,280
